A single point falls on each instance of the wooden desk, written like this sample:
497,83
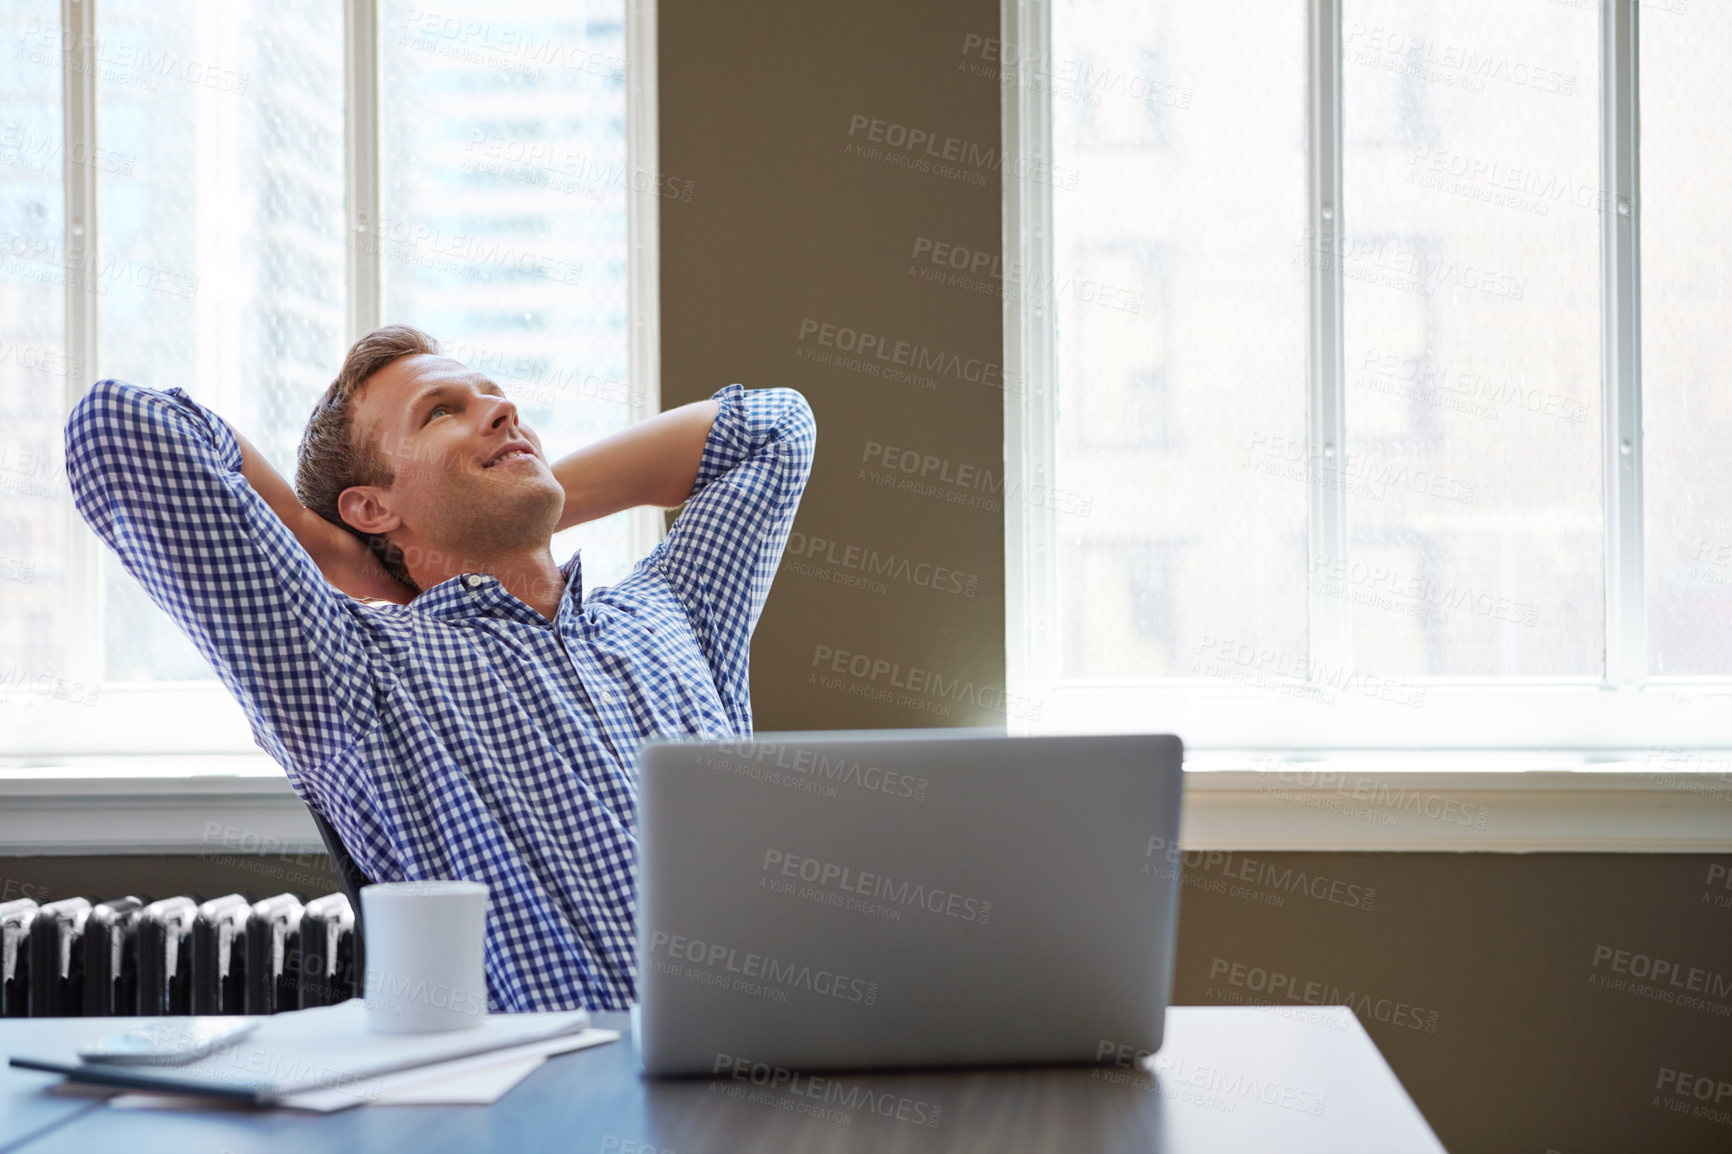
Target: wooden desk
1268,1081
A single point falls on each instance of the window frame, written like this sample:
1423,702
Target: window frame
1625,710
83,714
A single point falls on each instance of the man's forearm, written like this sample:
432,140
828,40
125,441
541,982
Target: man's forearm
655,462
341,557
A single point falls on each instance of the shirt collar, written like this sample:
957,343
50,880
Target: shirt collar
481,595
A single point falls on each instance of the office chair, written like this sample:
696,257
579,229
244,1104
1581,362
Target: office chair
353,876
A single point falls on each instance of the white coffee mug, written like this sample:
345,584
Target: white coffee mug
425,968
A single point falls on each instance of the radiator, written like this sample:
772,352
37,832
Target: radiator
127,956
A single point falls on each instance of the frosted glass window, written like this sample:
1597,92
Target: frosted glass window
1179,302
504,212
34,270
1470,257
223,267
1686,142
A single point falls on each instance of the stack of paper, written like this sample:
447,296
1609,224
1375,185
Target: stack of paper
326,1059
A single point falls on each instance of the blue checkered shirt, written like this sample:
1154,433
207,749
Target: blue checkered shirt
462,735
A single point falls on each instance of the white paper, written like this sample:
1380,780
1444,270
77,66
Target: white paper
481,1087
330,1047
479,1080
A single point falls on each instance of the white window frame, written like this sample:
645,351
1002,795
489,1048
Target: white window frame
80,715
1625,712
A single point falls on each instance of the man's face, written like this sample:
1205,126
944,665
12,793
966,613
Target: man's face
467,475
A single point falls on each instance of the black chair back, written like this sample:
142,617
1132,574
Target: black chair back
353,879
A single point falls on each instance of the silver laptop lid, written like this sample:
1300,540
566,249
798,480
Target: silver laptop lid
823,901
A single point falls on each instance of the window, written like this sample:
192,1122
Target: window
263,184
1402,422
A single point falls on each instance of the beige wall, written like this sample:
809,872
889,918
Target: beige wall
788,229
1525,1052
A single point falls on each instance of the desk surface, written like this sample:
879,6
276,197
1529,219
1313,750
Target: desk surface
1229,1078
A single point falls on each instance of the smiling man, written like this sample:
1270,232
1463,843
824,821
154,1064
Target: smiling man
484,720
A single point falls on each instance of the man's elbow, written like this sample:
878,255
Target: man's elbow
117,427
97,413
103,399
798,423
101,409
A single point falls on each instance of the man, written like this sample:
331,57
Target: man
485,726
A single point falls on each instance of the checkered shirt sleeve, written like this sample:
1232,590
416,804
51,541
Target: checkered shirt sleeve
722,553
158,477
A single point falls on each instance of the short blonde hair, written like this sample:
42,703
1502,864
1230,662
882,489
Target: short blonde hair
332,458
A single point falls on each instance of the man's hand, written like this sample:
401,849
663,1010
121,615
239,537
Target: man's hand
340,555
655,462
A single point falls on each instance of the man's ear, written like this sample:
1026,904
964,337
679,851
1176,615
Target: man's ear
367,509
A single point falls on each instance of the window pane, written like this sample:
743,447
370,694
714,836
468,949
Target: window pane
1180,314
1470,259
504,211
1686,139
33,366
222,250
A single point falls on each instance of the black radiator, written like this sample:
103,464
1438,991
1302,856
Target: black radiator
129,956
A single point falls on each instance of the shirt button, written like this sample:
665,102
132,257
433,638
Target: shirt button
475,581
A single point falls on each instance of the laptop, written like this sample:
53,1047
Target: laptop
904,899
